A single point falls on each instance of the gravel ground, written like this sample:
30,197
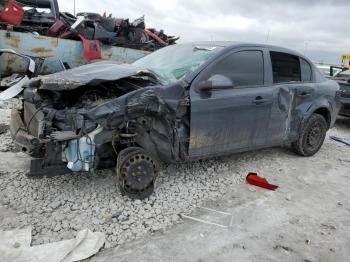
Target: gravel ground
59,207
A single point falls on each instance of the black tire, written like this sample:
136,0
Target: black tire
311,136
137,171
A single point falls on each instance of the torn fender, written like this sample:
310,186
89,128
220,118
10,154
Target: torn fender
113,114
146,101
160,108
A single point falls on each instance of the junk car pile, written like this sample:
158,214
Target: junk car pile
44,18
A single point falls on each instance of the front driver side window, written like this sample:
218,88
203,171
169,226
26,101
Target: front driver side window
244,68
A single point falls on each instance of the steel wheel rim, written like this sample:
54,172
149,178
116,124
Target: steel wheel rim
314,136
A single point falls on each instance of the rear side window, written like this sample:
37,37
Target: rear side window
306,71
285,67
244,68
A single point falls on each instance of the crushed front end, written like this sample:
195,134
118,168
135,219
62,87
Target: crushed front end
53,124
59,140
74,121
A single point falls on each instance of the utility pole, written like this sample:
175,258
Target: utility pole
268,36
74,7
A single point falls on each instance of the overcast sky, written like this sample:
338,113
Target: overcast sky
317,28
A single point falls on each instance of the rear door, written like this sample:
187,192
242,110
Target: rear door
293,90
228,120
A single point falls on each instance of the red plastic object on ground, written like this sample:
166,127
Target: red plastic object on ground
92,49
13,13
254,179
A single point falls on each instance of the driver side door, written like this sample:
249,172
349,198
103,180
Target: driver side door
227,120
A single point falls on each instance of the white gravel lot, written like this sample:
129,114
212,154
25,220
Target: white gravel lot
59,207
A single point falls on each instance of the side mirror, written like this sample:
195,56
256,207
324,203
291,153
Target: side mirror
215,82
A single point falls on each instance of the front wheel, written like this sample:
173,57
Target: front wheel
137,171
311,136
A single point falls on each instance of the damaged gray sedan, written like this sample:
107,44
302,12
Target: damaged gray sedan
182,103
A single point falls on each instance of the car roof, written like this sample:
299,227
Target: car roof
230,45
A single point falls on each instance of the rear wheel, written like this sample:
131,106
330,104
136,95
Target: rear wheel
311,136
137,171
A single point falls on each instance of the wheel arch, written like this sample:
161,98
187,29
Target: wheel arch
325,112
322,107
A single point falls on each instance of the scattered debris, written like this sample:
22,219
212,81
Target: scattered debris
327,226
3,128
14,75
11,13
285,248
203,221
344,160
228,217
215,211
15,246
117,214
106,216
254,179
341,140
239,246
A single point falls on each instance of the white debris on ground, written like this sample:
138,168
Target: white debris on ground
15,245
59,207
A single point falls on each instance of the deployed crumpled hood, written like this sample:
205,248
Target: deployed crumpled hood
90,74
